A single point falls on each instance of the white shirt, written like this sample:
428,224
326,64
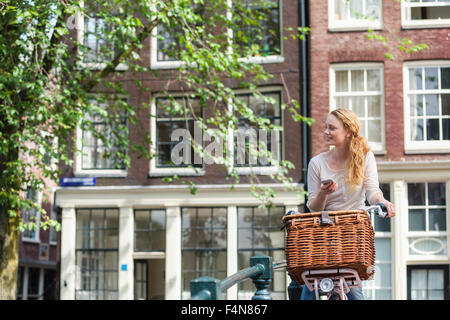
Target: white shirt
343,198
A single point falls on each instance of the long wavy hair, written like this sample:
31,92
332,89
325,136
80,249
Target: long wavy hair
354,168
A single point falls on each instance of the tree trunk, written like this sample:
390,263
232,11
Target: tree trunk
9,255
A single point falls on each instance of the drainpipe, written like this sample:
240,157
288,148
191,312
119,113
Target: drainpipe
304,91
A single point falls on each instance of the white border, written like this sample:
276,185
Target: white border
420,147
407,23
352,25
377,148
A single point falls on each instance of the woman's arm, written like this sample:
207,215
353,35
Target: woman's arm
317,192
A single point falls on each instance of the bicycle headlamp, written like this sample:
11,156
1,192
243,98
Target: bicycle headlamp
326,285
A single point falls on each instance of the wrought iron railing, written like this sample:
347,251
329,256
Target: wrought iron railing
260,271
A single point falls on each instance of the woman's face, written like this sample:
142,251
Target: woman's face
335,133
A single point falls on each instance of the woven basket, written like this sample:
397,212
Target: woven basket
329,240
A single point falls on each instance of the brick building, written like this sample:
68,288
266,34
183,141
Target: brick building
404,108
134,236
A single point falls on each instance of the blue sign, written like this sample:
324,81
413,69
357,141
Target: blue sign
78,182
123,267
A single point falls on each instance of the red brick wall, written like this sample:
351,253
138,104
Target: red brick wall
339,47
287,73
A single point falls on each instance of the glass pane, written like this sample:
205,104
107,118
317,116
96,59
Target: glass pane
435,279
164,130
417,130
141,219
356,9
437,220
445,104
373,9
342,102
436,194
415,79
373,80
374,130
383,275
341,81
416,220
158,219
431,78
374,106
446,129
383,249
433,129
418,279
445,78
432,104
357,80
416,194
158,239
244,217
257,104
416,105
358,106
142,240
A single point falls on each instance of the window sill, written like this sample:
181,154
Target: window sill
422,149
263,171
349,26
165,65
263,60
426,24
101,173
165,172
101,66
33,241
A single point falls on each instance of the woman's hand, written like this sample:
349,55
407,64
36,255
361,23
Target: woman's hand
390,208
328,188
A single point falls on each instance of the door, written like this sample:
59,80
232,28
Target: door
149,279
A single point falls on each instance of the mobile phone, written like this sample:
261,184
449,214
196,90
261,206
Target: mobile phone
326,181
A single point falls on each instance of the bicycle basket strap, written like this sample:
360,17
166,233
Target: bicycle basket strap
325,218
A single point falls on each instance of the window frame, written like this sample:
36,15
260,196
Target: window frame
444,267
37,219
257,169
154,170
379,148
155,64
149,230
408,23
425,146
79,171
353,25
79,25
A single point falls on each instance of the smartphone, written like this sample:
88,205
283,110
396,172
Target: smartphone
326,181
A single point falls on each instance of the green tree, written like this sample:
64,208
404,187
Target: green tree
45,88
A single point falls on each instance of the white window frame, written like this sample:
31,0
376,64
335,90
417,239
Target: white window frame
154,171
407,23
79,25
78,165
428,234
37,221
258,170
155,64
421,147
353,24
377,147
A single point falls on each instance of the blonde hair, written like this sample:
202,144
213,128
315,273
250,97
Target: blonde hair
354,168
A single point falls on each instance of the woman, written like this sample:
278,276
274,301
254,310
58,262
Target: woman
353,170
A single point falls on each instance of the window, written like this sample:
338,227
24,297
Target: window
204,243
427,219
354,14
97,242
381,286
428,282
359,87
267,36
248,140
259,232
100,141
172,136
425,13
32,215
166,43
150,230
427,107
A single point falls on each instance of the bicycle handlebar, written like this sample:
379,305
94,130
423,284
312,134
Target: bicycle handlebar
379,209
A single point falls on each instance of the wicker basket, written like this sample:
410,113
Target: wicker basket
330,240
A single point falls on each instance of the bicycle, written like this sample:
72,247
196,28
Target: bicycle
332,283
